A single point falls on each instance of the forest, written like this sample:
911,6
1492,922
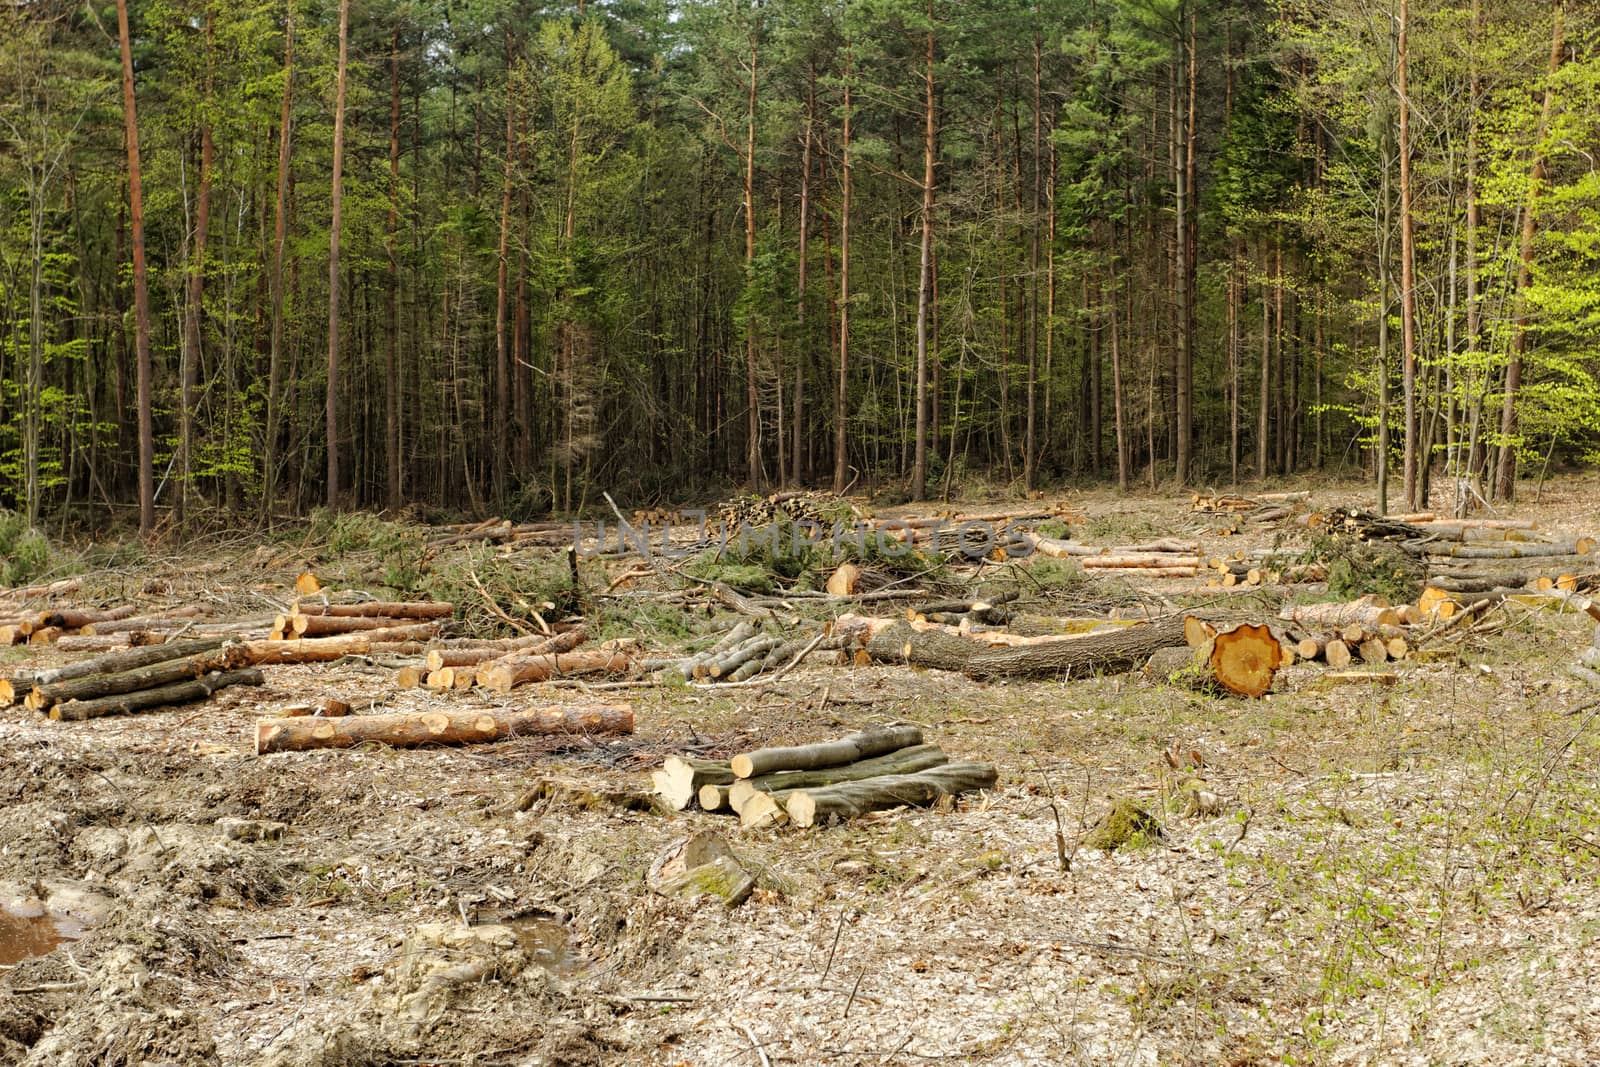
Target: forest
257,258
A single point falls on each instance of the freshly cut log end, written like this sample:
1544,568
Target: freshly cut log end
307,584
805,807
1336,654
712,797
438,727
679,780
1196,631
762,811
1244,659
849,749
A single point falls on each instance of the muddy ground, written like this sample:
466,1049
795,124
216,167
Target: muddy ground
1402,874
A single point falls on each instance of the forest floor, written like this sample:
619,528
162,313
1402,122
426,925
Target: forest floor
1397,875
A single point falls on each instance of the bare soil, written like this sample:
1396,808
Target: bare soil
1396,875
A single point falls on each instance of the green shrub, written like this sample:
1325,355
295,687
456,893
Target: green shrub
24,552
1358,568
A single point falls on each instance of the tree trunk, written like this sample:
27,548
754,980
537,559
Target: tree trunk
752,386
1408,294
841,401
391,366
269,474
1506,475
507,672
141,287
919,467
331,414
149,676
1108,652
438,727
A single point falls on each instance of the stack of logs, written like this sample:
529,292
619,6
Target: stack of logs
1366,631
1263,568
500,666
323,620
1163,558
867,771
46,627
138,679
742,653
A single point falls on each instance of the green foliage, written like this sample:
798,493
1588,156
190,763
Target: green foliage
1357,568
1126,825
25,553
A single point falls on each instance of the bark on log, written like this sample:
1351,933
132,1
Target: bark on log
472,655
1580,547
328,649
1342,614
1477,583
679,780
147,677
77,618
857,746
23,682
163,696
1133,562
379,609
438,727
806,806
901,761
324,625
1110,652
503,674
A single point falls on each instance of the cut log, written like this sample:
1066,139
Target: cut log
164,696
679,780
901,761
1332,679
307,584
323,625
1373,651
474,654
438,727
1398,647
147,677
1151,559
857,746
380,609
1336,653
1109,652
1364,613
328,649
1310,647
844,580
503,674
711,797
77,619
806,806
1580,547
23,682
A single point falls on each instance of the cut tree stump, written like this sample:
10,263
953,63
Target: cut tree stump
163,696
680,778
1109,652
857,746
403,730
901,761
806,806
1241,659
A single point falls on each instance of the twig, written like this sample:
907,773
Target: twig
494,609
760,1053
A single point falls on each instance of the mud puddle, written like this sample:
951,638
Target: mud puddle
26,932
548,944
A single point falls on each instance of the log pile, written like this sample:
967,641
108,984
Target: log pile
138,679
744,652
867,771
1163,558
307,619
48,626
